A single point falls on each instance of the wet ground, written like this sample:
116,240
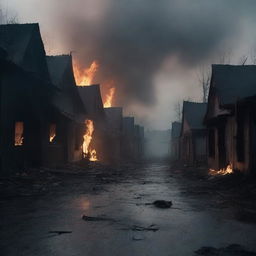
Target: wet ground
107,211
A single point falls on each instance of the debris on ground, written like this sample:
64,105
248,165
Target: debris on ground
138,238
151,227
60,232
231,250
90,218
162,204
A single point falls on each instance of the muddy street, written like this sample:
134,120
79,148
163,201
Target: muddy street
110,212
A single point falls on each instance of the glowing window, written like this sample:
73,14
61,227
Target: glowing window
19,129
52,132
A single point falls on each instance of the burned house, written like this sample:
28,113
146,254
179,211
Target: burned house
128,139
175,141
231,118
114,118
139,142
67,116
193,137
92,101
25,96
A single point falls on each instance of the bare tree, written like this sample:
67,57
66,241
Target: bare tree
243,60
178,111
204,77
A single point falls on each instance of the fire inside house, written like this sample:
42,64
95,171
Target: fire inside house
19,129
84,77
88,151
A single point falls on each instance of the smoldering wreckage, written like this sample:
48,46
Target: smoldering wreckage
53,120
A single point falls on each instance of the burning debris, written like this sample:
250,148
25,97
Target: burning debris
224,171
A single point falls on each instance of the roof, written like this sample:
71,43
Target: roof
194,114
57,66
91,98
176,129
61,73
232,83
24,46
15,39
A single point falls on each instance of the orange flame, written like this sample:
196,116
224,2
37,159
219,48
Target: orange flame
19,129
224,171
91,153
84,77
52,132
109,98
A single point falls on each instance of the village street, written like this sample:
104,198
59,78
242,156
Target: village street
118,217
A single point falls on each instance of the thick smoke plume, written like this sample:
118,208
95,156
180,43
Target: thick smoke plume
131,39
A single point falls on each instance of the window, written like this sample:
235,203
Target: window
19,130
52,133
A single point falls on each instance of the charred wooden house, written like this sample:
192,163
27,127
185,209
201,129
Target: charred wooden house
25,96
114,118
139,142
67,117
128,140
193,137
92,101
231,118
175,141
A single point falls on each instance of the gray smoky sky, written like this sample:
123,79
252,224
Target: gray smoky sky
151,49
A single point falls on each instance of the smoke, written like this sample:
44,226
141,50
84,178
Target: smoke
132,40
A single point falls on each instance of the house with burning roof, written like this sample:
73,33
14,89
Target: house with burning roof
231,118
193,136
67,118
25,96
92,101
175,141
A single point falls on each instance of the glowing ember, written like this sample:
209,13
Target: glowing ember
19,129
109,98
84,77
88,152
52,132
224,171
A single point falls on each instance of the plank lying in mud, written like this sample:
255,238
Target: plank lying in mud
90,218
152,227
59,232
